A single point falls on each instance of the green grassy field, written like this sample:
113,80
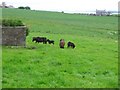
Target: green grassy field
92,64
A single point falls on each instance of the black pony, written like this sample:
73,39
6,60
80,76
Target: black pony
40,39
50,41
70,44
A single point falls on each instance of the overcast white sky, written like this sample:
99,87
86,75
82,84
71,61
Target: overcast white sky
65,5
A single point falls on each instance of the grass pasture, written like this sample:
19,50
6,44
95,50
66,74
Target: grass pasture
92,64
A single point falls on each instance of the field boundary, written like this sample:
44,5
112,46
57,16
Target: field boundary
0,49
118,45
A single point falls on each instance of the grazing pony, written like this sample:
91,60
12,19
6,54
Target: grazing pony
39,40
70,44
50,41
62,43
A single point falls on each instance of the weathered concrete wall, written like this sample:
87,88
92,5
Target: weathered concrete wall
14,36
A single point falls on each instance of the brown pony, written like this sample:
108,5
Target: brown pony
62,43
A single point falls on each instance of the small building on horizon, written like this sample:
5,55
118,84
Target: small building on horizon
102,13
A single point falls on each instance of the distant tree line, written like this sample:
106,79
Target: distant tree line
27,7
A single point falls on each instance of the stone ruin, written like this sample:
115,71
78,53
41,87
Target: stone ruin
14,36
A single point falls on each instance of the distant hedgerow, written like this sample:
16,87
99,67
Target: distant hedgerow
27,7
